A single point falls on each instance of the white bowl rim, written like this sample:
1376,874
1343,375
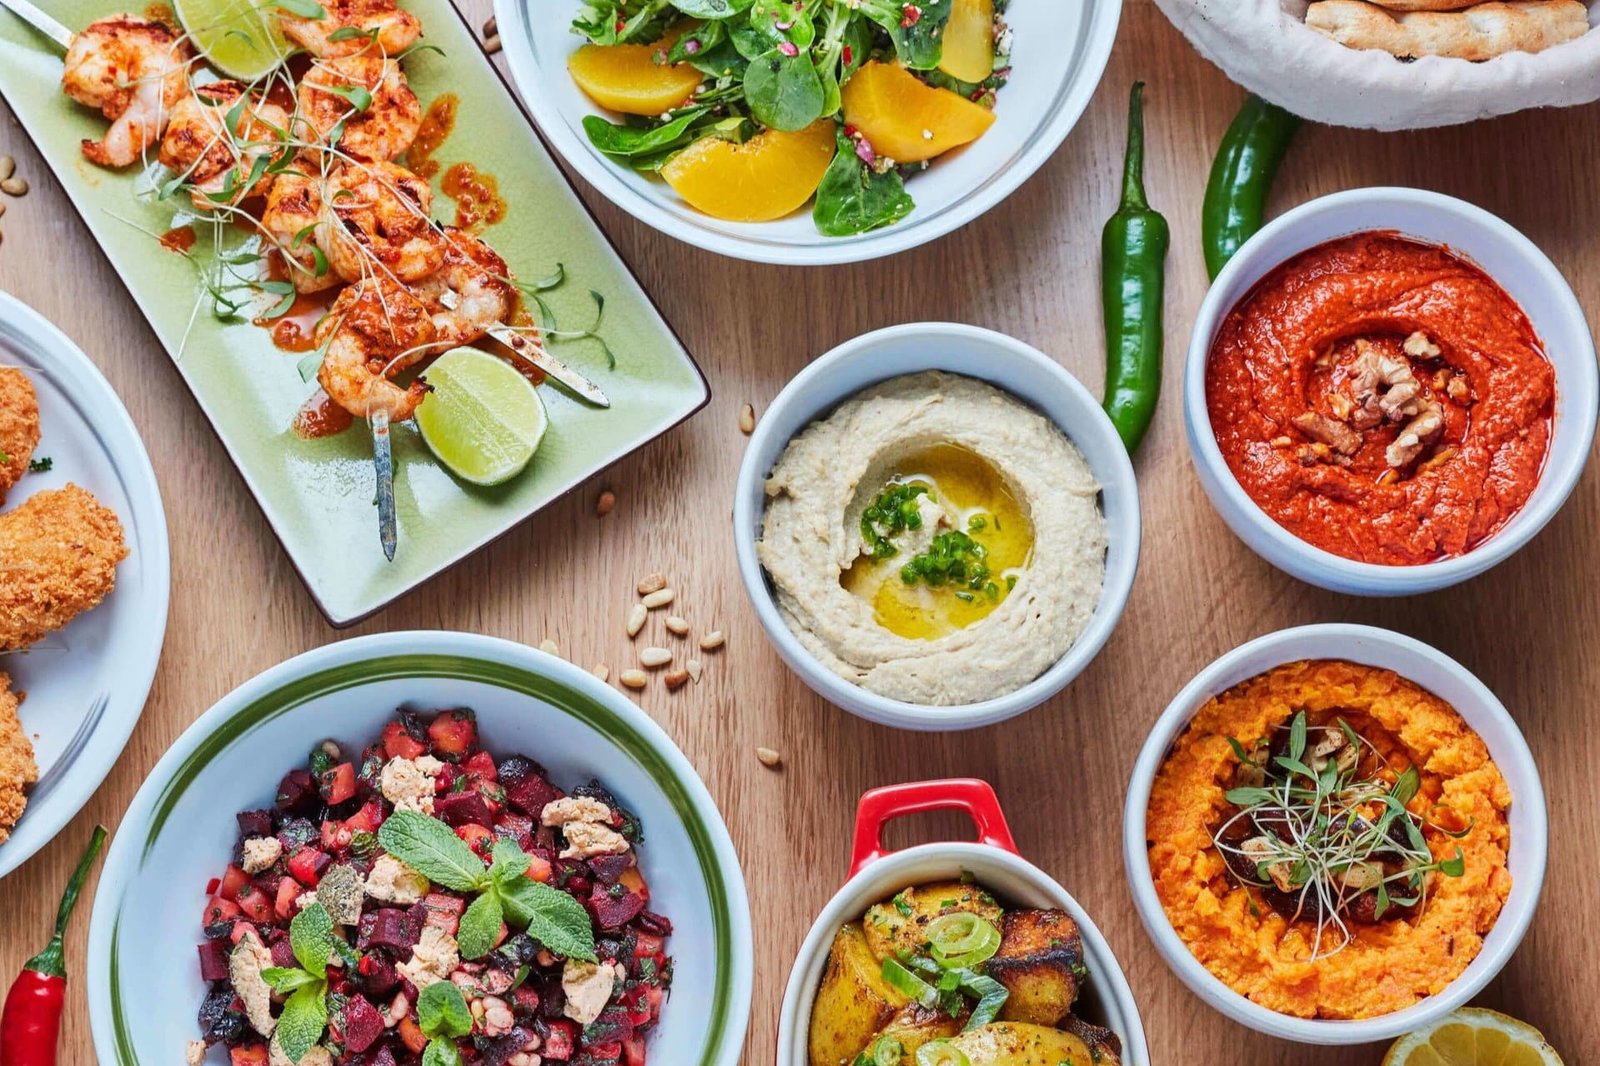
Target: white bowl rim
1101,35
121,863
1578,394
1114,592
1514,758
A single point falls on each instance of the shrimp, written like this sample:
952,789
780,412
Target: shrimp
332,95
374,330
132,69
379,222
381,26
469,293
215,159
295,222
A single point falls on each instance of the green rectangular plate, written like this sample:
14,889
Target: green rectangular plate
318,495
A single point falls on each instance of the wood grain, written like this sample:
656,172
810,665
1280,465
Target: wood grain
1530,628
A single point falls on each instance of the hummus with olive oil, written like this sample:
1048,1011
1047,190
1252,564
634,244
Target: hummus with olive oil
934,540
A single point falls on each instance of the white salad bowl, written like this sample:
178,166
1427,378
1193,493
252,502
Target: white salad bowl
1503,253
1008,364
144,981
1432,670
1058,56
993,862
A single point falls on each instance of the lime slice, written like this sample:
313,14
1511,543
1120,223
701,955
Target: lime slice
239,37
1473,1036
483,420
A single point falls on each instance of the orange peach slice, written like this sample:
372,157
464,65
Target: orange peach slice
907,119
766,177
627,78
969,41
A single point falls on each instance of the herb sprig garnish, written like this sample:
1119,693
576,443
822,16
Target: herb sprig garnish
504,891
444,1018
893,512
1320,827
305,1012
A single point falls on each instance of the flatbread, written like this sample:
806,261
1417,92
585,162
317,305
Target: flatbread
1426,5
1479,33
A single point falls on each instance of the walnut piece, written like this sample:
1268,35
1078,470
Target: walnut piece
1336,435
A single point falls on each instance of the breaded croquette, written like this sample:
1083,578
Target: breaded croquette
18,769
59,552
19,427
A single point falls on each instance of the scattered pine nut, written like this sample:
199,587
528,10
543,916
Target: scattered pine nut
694,669
652,583
636,616
769,758
491,45
14,186
549,647
603,505
634,678
675,679
491,28
655,657
677,626
8,166
747,419
2,207
658,598
330,749
712,640
602,671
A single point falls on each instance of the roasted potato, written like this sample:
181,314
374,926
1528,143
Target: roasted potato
853,1003
1040,962
915,1025
1023,1044
1104,1045
899,924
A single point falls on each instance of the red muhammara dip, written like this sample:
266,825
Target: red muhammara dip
1382,399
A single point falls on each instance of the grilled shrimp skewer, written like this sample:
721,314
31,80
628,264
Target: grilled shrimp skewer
199,144
373,331
132,69
382,129
383,28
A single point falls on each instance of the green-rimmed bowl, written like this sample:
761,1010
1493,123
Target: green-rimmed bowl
144,979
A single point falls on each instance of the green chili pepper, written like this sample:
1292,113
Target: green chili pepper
1133,255
1241,178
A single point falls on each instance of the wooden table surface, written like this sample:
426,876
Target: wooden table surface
1530,629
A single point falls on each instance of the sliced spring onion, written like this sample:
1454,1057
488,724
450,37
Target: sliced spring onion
941,1053
887,1051
909,984
961,940
992,995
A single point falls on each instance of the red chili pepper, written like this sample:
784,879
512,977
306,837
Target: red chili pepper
30,1026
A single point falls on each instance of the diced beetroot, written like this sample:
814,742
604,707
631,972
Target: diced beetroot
221,1017
254,823
503,1049
633,1050
480,767
234,882
297,792
411,1035
381,1057
478,838
613,1025
527,787
255,905
517,827
337,783
288,891
652,922
654,996
608,868
248,1055
306,866
648,946
560,1041
389,927
378,972
444,912
524,1000
400,744
362,1024
213,961
599,1055
219,910
336,835
283,953
459,808
453,733
613,906
367,819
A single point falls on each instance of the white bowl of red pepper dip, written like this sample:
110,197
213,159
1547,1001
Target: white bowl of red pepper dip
1389,391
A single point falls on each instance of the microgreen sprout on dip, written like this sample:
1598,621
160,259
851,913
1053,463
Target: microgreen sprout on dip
750,108
429,905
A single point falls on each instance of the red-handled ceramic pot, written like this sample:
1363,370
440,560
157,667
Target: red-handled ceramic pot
877,873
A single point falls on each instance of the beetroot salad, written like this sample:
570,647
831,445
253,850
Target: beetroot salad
429,905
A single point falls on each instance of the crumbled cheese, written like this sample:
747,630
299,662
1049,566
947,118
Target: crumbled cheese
245,963
586,824
392,881
339,892
195,1053
260,853
433,959
574,809
588,987
317,1056
408,783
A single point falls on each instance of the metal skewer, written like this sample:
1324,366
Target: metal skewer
383,464
553,367
40,21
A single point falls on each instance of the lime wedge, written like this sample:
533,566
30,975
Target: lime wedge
241,38
483,420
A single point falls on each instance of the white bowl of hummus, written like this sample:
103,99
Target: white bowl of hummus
1415,711
937,525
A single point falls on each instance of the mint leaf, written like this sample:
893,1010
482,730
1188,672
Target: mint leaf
480,925
304,1018
286,979
441,1053
311,937
550,916
442,1011
432,849
509,861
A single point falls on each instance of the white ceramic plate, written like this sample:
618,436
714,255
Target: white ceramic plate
144,981
111,651
1058,57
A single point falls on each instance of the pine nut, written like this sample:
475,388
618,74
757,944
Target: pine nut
677,626
602,671
636,616
8,166
652,583
14,186
491,45
769,758
695,669
712,640
655,657
658,598
675,679
491,28
605,503
549,647
634,678
747,420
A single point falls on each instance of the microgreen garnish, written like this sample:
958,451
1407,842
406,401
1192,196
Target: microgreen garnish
1318,825
306,9
893,512
305,1012
504,891
952,559
40,465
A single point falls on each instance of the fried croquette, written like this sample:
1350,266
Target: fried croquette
19,427
59,552
18,769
